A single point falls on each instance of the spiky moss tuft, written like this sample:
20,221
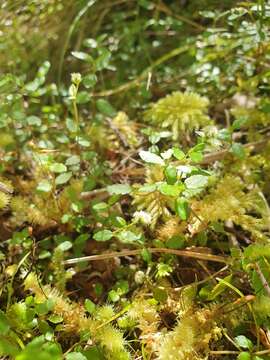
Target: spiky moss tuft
75,319
229,200
181,112
4,200
190,339
174,226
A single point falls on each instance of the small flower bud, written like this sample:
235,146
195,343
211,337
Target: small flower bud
76,78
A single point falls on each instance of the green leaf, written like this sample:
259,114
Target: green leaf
148,188
196,156
8,348
171,175
73,160
33,120
75,356
160,294
243,342
113,296
101,206
83,97
65,245
89,81
146,255
105,108
44,186
82,56
150,157
239,123
63,178
238,150
182,208
166,154
128,237
176,242
219,288
256,251
89,306
244,356
199,147
103,235
102,61
83,142
178,154
93,353
44,307
196,181
58,168
55,319
4,324
119,189
171,190
71,125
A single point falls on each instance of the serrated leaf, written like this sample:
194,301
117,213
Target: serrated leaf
89,81
148,188
73,160
196,181
105,108
71,125
65,245
44,186
119,189
128,237
178,154
240,122
58,168
83,97
101,206
167,154
171,190
103,235
75,356
33,120
151,158
82,56
63,178
176,242
196,156
243,342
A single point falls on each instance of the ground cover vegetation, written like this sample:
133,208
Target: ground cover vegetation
134,180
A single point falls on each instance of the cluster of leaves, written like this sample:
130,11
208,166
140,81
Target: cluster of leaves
134,180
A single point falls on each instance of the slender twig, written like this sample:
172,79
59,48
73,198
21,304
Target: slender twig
5,189
219,155
263,279
224,352
185,253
